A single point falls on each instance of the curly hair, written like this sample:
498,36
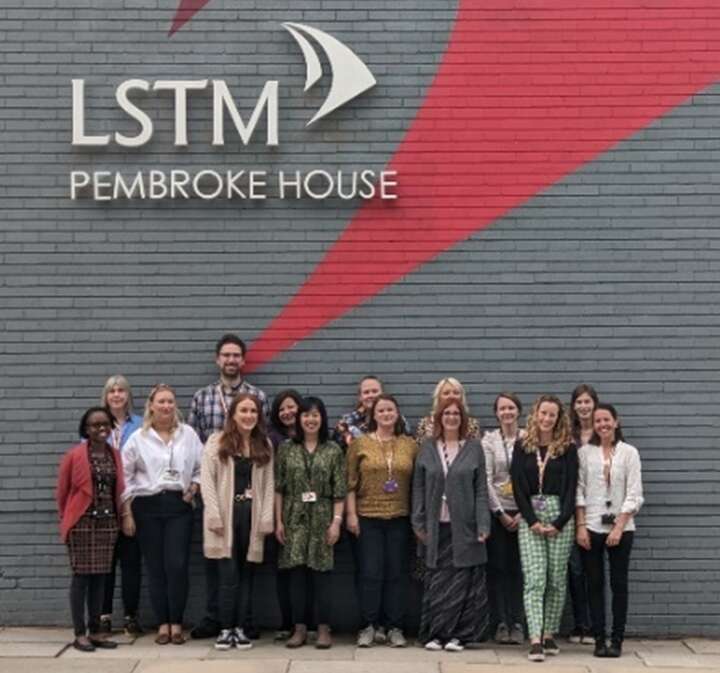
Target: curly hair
561,435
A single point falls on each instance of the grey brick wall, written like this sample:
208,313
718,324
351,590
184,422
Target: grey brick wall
608,277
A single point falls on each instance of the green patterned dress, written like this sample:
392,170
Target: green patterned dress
306,523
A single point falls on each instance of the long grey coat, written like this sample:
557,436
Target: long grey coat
467,500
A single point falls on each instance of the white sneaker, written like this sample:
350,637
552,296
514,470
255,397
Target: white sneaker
366,637
434,645
454,645
395,638
381,636
225,640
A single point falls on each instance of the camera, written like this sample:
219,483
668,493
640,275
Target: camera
607,519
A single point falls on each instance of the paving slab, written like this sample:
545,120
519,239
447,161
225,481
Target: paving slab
25,665
31,649
361,667
236,665
32,634
144,648
527,667
266,649
393,655
661,658
697,645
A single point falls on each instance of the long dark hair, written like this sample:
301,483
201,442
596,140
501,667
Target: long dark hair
308,404
399,427
604,406
574,420
231,440
275,422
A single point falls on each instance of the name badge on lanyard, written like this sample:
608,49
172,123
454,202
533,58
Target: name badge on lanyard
309,496
539,502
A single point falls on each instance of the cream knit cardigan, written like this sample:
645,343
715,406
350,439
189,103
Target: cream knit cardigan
217,481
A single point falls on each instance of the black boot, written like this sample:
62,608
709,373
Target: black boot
601,649
615,649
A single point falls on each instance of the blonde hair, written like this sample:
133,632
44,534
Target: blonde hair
449,380
561,435
117,381
147,416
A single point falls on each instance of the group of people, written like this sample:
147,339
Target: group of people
279,484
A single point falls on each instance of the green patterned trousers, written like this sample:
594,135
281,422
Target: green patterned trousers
544,565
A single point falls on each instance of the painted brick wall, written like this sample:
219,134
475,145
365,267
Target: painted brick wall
609,275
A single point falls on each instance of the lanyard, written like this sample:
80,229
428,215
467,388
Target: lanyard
388,456
116,435
446,460
309,460
505,442
541,465
607,469
221,398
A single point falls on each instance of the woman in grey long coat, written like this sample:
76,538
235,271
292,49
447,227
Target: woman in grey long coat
450,516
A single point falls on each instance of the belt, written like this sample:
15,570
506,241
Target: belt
241,497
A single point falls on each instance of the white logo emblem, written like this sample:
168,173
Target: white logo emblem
350,76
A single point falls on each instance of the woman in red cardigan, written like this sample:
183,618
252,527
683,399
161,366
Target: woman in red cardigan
89,487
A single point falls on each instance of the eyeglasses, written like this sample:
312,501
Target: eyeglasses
100,424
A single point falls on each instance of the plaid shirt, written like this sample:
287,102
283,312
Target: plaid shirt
207,413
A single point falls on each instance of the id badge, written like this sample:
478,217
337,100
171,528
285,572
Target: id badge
390,486
539,503
506,489
248,494
309,496
171,474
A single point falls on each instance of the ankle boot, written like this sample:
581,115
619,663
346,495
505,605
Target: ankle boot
324,640
600,648
298,637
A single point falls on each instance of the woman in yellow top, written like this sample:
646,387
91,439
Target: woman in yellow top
380,467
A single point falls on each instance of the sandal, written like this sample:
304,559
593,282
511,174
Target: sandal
177,639
162,638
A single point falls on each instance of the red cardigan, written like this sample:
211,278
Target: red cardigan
75,486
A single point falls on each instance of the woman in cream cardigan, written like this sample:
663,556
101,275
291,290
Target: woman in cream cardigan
238,492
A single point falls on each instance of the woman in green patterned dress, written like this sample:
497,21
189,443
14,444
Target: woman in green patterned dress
310,486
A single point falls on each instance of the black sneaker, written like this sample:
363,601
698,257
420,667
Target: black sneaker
225,640
615,649
600,648
132,626
241,639
551,647
207,628
251,632
536,652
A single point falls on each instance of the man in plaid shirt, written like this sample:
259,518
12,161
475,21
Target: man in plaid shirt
207,415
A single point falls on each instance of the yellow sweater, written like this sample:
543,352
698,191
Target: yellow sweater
367,464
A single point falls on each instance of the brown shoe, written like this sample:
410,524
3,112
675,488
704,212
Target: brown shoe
298,638
177,638
324,640
162,638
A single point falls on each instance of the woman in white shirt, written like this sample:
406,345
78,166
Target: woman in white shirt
161,462
609,495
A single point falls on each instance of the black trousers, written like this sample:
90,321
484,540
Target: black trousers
86,590
504,571
164,528
304,583
619,559
578,585
384,546
282,588
127,553
235,573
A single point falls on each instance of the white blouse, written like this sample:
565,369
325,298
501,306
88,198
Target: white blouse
625,492
150,465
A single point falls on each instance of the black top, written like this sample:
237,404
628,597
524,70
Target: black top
243,474
560,479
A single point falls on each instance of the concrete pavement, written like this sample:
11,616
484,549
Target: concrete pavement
46,650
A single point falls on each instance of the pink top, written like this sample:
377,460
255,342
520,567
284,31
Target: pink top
447,456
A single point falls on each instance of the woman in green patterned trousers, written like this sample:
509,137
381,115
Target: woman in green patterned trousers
544,477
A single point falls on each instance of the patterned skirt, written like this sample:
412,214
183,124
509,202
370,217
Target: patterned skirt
91,544
455,602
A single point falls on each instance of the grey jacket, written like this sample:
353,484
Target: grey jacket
467,500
